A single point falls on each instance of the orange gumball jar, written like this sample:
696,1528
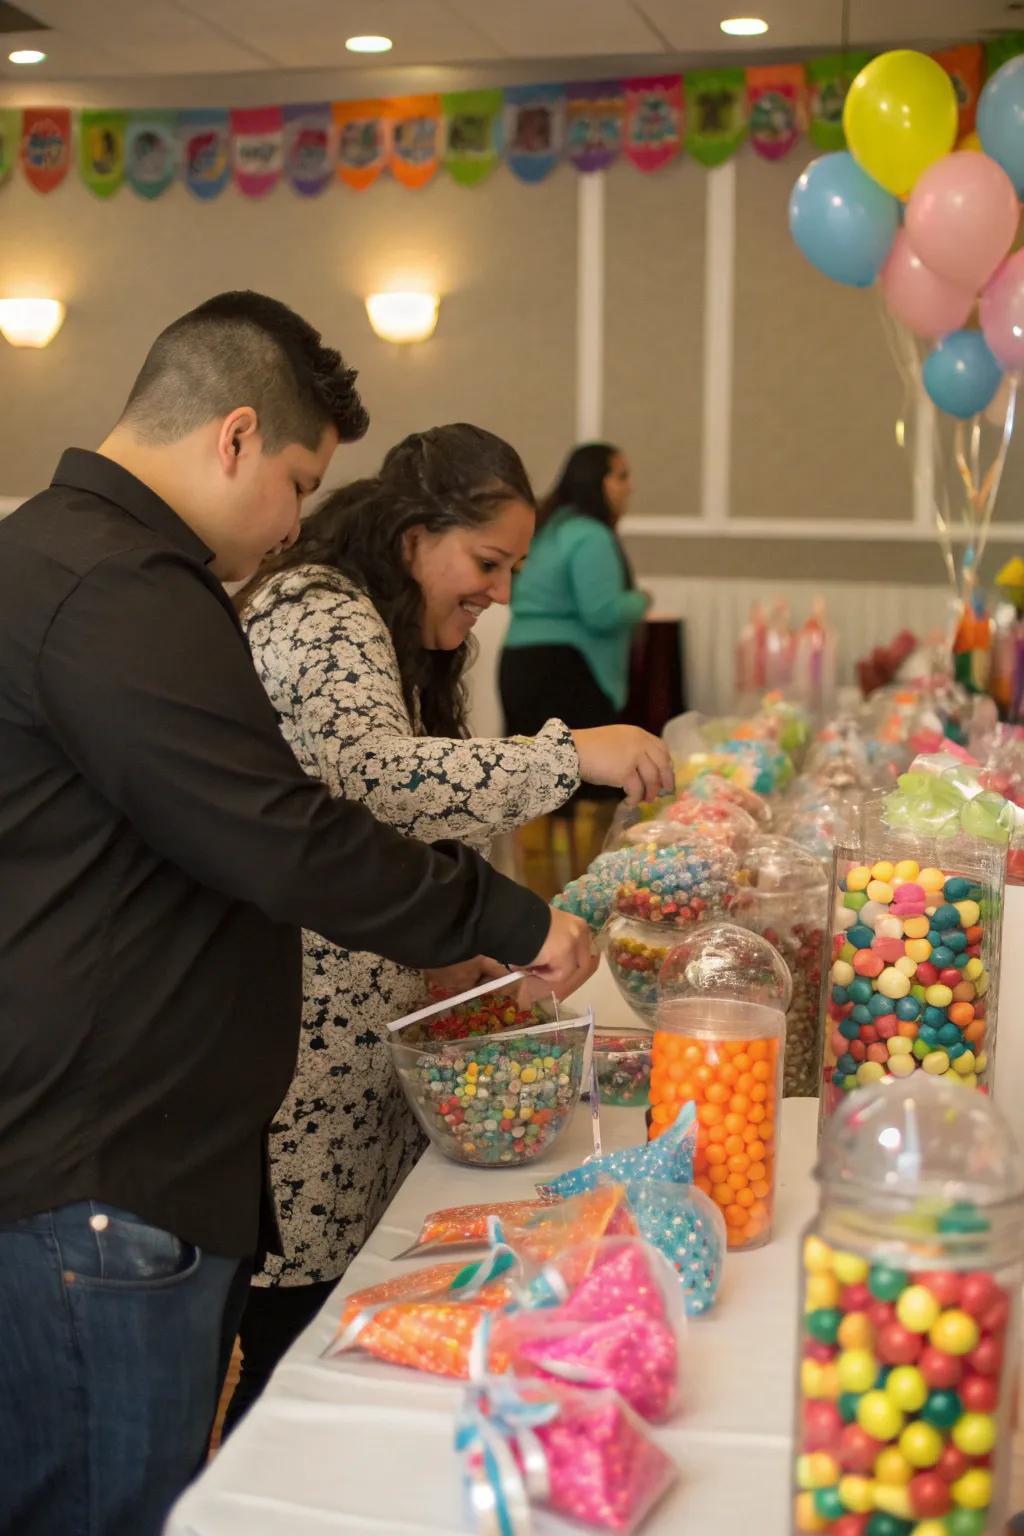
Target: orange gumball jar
718,1043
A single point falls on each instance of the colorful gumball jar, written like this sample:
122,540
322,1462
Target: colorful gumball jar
908,1334
912,980
786,902
636,952
718,1042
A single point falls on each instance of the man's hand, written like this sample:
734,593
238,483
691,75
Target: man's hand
566,959
627,758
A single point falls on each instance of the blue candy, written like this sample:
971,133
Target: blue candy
957,941
956,888
862,1015
849,1028
840,995
862,937
861,990
934,1018
946,917
908,1009
879,1005
941,956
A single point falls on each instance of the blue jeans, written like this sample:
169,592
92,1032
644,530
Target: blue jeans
114,1340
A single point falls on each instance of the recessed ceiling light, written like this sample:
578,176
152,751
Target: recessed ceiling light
744,26
26,56
368,44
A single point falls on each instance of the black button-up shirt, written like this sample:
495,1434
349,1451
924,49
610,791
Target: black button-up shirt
160,849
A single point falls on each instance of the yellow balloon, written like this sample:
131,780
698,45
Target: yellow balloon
900,116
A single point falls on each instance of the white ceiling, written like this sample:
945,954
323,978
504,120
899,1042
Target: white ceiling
125,39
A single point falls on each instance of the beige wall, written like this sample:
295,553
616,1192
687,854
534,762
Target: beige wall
814,399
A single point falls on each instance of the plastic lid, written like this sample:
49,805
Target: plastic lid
779,866
921,1139
721,962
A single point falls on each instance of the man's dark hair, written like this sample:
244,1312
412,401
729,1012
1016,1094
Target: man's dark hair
245,349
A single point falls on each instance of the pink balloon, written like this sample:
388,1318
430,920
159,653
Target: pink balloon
932,306
1002,313
962,217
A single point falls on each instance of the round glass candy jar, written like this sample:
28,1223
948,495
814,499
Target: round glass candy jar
907,1336
636,952
913,959
786,902
718,1042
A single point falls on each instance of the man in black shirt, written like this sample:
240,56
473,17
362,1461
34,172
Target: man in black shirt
160,850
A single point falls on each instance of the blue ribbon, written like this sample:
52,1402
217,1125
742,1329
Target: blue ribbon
495,1421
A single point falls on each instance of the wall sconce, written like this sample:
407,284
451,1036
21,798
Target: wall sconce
31,322
403,317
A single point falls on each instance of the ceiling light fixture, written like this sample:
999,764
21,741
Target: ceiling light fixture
744,26
368,44
26,56
30,322
403,317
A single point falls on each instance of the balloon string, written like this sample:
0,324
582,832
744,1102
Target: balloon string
990,487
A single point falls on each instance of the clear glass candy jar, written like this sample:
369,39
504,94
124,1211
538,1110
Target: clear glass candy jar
910,1289
786,902
913,979
718,1042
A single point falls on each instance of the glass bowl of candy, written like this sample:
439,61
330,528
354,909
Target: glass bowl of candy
622,1061
635,952
492,1084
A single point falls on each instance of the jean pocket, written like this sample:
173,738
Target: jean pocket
101,1245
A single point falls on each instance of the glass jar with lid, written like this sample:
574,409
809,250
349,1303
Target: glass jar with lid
909,1297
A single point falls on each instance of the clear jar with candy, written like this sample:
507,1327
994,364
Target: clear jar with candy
910,1287
786,902
718,1043
913,975
635,952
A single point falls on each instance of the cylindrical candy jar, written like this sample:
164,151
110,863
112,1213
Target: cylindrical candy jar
913,974
786,902
718,1042
910,1288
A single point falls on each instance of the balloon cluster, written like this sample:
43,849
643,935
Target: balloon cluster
949,247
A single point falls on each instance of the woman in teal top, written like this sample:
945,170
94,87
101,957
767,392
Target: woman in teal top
574,605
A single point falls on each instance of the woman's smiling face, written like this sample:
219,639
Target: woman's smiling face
462,571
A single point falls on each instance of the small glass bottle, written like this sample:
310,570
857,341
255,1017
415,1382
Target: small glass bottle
910,1288
718,1042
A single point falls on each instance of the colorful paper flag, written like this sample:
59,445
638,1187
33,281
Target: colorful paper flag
415,133
534,130
716,114
828,80
308,147
472,134
10,139
965,67
101,150
594,121
654,120
45,146
150,152
776,96
364,141
205,150
257,149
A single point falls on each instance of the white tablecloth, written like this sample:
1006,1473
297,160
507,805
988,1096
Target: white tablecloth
353,1445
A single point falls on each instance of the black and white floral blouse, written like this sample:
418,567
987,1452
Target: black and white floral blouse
344,1137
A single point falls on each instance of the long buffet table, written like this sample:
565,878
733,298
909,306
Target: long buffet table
353,1445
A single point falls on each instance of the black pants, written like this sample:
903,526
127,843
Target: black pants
274,1317
539,682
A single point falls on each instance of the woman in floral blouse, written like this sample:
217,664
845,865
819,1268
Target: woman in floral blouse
360,635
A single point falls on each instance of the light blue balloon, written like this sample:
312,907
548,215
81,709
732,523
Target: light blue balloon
1000,119
842,221
961,375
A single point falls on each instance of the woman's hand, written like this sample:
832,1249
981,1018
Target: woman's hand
453,979
627,758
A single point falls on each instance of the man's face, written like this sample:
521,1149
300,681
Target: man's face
265,501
